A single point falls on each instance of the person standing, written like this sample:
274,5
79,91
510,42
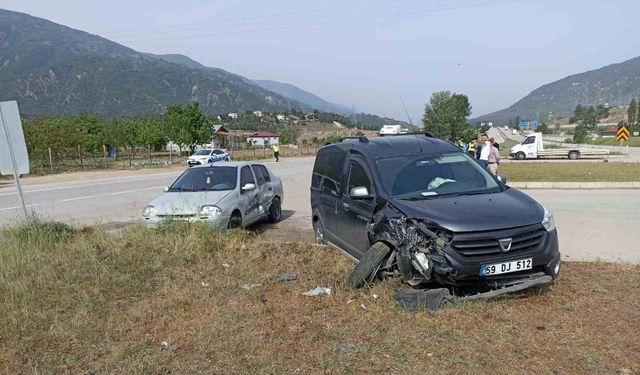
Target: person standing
494,159
472,148
276,152
485,150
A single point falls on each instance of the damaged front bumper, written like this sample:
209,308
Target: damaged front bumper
426,254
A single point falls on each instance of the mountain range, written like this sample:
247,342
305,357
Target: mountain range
51,69
614,84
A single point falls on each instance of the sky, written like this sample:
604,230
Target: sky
371,53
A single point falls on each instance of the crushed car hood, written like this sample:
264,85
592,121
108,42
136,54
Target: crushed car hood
186,203
470,213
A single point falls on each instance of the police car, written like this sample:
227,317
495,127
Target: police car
207,156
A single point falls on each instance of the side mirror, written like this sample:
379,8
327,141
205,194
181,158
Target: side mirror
502,178
248,187
165,189
359,192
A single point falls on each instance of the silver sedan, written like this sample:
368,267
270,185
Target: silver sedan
230,195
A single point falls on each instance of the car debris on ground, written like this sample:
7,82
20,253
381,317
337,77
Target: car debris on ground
250,286
318,290
288,277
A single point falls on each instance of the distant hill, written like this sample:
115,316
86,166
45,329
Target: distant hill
615,84
295,93
55,70
286,90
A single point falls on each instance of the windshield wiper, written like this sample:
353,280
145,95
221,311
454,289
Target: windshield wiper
180,189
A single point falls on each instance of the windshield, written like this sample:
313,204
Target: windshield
217,152
425,177
206,179
203,152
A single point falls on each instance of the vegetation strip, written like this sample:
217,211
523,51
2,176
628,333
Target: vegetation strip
141,301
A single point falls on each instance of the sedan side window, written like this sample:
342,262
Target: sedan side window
246,177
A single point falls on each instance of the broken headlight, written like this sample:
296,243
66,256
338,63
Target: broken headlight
547,221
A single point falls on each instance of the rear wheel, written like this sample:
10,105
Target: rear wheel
521,156
573,155
235,221
275,210
368,265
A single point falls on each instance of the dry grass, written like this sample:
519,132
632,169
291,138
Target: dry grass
78,301
579,172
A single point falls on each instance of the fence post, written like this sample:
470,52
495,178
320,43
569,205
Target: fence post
170,152
254,152
264,152
104,152
50,161
80,156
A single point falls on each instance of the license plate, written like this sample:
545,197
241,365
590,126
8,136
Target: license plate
506,267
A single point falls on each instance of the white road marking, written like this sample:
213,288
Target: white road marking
16,207
78,198
153,177
123,192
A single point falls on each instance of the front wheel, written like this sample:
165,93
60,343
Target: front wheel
573,155
368,265
521,156
235,221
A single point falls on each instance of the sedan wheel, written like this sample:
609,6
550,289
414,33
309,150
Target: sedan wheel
275,211
235,222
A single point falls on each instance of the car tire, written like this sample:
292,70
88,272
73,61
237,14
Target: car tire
275,210
235,221
368,264
521,156
573,155
318,230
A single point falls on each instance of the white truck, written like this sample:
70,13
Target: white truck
392,130
532,147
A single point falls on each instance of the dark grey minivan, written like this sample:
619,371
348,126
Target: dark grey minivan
417,206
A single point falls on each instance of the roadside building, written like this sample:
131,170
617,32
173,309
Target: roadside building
219,137
233,115
281,117
610,132
257,113
263,139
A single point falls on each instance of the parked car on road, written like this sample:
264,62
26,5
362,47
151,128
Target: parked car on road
418,206
230,195
207,156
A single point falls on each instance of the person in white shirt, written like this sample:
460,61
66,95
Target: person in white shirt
485,150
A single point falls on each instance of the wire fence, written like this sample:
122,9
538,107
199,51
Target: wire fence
54,160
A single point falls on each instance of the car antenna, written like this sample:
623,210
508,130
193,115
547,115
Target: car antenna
407,112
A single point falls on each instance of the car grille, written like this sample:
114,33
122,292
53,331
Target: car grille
176,216
477,244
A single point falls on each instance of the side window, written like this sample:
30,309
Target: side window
265,173
259,174
358,177
529,141
327,170
246,177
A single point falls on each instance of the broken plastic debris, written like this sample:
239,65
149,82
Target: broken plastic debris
164,345
344,348
363,306
225,265
349,301
250,286
318,290
288,277
204,284
375,296
430,299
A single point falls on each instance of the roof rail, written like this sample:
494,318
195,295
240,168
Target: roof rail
361,139
426,134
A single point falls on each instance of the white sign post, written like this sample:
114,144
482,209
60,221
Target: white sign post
14,158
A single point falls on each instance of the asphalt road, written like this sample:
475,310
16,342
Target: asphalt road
592,224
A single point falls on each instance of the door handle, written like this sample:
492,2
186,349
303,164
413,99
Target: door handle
270,189
346,206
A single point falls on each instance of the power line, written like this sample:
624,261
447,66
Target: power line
285,27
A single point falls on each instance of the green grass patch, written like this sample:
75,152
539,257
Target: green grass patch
570,172
88,301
